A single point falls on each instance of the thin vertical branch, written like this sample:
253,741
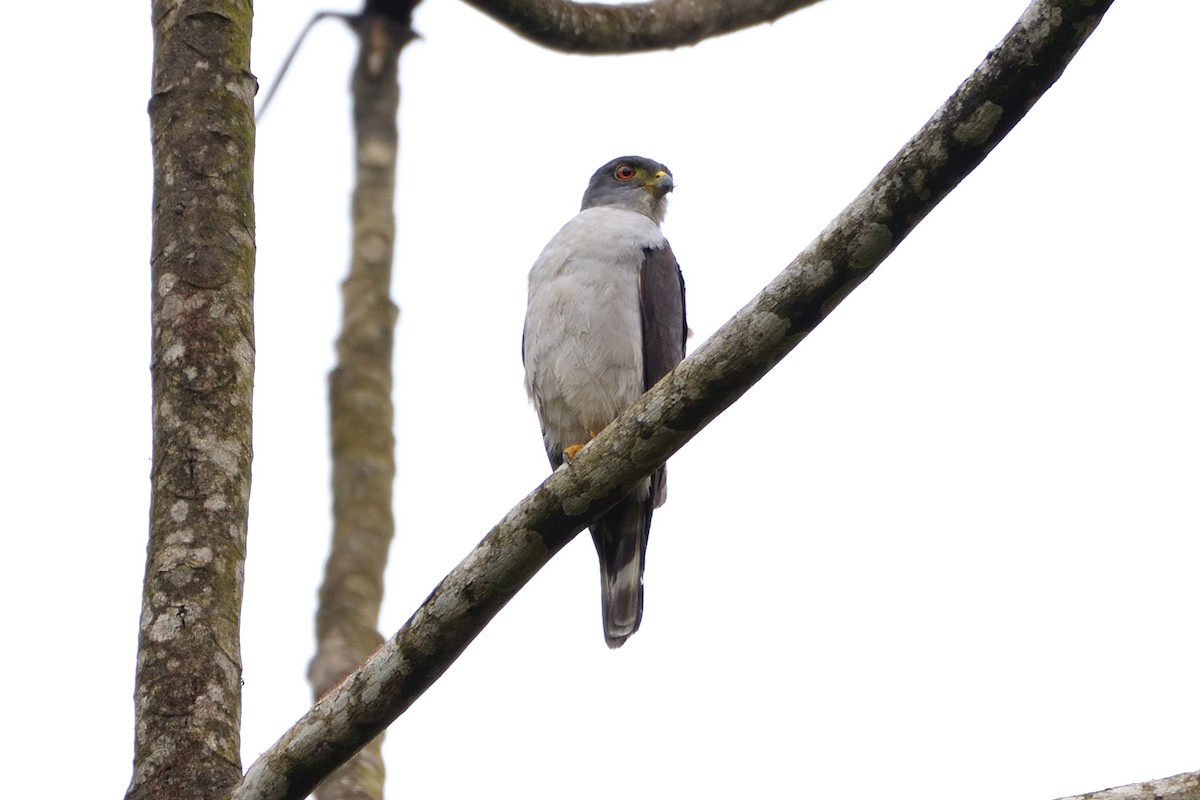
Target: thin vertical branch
188,686
360,400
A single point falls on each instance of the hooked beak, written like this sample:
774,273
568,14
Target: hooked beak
661,183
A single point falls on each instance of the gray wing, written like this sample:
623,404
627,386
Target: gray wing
664,316
664,332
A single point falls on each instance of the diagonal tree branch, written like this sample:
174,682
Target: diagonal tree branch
1177,787
595,29
966,128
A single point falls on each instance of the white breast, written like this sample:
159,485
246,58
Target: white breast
583,326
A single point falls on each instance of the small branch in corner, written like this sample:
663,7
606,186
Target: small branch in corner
350,19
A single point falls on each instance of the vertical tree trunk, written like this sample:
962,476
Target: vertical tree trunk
360,400
188,686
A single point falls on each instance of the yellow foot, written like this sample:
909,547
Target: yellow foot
572,450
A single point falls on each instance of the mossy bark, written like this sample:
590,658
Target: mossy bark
188,685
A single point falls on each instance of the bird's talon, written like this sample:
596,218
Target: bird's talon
571,451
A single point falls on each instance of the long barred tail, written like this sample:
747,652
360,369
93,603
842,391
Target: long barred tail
620,537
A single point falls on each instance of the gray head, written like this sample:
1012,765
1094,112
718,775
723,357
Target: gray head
633,183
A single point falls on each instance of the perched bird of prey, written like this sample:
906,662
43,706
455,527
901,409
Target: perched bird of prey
605,321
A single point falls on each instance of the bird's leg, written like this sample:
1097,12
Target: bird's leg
571,450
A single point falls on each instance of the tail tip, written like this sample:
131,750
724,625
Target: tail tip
614,639
618,627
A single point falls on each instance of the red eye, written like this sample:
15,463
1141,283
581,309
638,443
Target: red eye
625,173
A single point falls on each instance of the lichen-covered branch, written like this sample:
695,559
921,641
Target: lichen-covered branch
948,147
1177,787
595,28
188,687
360,401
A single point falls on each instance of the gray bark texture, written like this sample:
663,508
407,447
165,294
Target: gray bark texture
595,29
962,132
360,401
1177,787
187,698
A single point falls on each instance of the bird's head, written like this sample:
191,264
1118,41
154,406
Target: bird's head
633,183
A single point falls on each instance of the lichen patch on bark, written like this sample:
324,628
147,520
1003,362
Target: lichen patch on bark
979,126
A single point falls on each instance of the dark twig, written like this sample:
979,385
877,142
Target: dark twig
350,19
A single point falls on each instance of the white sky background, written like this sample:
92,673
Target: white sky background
950,542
